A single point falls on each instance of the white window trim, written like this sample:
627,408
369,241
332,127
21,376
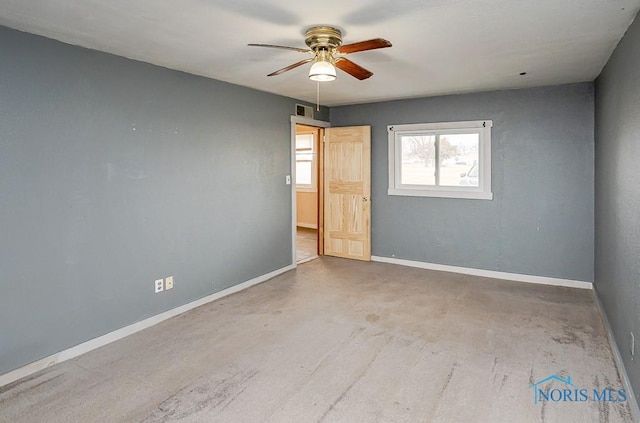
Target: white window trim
482,192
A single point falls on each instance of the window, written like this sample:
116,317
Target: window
450,159
305,162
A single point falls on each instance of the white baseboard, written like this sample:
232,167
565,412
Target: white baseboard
100,341
617,357
542,280
307,225
308,259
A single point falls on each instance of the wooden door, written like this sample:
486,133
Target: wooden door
347,188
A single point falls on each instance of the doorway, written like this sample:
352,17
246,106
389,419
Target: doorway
307,178
308,143
334,184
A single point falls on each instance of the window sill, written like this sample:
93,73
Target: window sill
306,189
467,195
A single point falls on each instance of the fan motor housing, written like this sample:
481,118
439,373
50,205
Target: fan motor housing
323,38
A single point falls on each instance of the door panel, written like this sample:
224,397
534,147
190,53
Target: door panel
347,184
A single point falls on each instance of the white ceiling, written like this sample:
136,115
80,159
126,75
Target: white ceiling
439,46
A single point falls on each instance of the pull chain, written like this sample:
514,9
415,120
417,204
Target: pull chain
318,95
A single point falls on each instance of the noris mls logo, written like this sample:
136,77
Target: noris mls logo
543,391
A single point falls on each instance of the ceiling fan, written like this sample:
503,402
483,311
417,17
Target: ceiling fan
327,51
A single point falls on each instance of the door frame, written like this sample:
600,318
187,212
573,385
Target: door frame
295,120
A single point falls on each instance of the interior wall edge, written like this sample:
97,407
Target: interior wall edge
617,358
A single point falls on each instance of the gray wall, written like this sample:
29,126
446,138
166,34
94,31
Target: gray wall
114,173
540,221
617,268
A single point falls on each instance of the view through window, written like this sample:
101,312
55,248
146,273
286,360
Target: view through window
439,160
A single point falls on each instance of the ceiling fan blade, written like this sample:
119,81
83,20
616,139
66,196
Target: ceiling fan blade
295,65
352,69
301,50
364,46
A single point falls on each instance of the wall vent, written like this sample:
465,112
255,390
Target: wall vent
306,111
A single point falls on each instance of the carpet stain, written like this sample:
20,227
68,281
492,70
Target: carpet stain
371,318
569,337
449,377
27,384
209,395
531,377
504,380
351,385
495,363
603,406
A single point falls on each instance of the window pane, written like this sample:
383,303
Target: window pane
459,159
303,173
304,157
418,160
304,142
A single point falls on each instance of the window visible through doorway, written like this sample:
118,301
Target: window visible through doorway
306,162
450,159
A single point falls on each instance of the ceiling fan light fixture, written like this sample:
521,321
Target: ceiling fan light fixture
327,51
322,71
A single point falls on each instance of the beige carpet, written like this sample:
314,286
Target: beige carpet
343,341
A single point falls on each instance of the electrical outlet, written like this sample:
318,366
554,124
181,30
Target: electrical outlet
168,283
632,344
159,285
